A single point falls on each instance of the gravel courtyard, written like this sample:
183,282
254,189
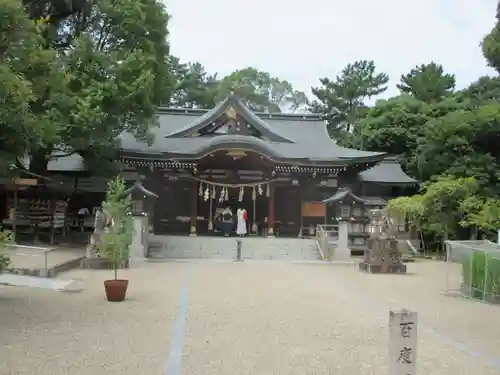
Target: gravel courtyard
258,318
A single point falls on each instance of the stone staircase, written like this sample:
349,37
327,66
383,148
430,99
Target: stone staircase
223,248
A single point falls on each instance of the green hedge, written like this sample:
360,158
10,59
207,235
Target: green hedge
475,275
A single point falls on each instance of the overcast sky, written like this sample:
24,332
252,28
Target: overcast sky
303,40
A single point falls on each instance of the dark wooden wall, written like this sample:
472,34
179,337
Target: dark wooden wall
174,200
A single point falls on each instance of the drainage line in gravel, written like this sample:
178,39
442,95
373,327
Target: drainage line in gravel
173,364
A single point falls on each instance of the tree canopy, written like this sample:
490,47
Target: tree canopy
427,83
83,79
257,89
342,100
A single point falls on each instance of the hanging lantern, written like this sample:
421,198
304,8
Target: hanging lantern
200,190
207,194
259,189
254,194
268,191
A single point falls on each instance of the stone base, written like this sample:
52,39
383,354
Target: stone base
99,263
379,268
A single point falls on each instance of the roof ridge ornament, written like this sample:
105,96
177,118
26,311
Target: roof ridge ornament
231,112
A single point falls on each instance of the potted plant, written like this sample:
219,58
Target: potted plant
117,237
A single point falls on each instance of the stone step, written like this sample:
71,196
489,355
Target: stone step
175,247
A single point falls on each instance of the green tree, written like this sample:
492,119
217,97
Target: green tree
5,240
481,214
105,71
396,126
194,88
23,56
463,143
485,90
391,126
440,208
427,82
55,10
491,44
117,241
260,91
342,100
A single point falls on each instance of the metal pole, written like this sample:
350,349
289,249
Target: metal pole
46,263
471,270
238,251
14,216
485,287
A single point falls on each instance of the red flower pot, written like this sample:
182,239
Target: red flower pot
116,290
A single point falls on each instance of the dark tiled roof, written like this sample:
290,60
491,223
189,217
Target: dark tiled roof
138,186
374,201
388,171
288,137
249,116
344,193
305,140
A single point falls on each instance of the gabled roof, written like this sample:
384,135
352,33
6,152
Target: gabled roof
288,138
345,193
389,172
297,139
138,186
231,102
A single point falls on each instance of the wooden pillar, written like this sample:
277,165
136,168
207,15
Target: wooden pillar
194,208
271,217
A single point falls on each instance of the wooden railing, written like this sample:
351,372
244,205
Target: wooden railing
326,237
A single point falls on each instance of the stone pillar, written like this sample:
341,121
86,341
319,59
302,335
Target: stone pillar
194,209
138,247
342,252
382,255
271,217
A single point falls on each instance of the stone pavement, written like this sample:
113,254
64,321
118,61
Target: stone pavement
258,318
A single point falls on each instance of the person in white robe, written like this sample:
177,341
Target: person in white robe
241,228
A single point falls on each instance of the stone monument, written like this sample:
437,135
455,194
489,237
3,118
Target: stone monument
382,255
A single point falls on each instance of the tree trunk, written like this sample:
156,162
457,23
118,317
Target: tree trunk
473,233
445,238
39,160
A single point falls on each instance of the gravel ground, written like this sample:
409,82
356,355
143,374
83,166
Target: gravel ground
258,318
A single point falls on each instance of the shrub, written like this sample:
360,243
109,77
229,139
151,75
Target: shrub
481,273
119,237
5,239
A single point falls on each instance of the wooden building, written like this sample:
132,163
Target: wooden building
279,167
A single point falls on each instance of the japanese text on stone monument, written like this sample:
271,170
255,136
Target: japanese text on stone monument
402,342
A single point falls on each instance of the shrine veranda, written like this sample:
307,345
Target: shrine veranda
284,169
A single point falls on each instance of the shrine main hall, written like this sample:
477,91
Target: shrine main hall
284,169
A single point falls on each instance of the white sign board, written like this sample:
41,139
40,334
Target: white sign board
402,342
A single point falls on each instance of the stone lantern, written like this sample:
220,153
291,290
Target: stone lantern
143,202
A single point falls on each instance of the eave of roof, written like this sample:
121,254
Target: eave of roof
138,186
345,193
387,172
